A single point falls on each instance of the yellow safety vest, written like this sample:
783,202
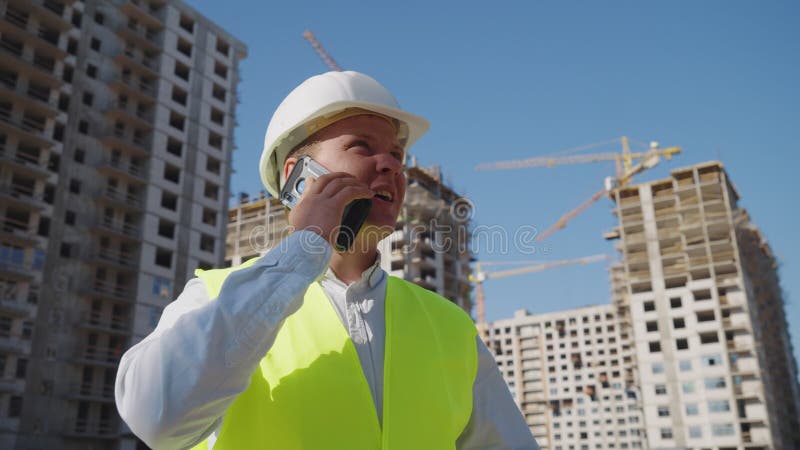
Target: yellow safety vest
309,392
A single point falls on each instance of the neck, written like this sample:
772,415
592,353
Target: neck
349,265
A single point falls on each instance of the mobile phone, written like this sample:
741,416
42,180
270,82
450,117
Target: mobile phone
354,215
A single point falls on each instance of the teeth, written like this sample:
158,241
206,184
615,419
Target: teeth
385,194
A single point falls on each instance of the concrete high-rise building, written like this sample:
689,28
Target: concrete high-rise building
570,372
116,136
428,247
698,290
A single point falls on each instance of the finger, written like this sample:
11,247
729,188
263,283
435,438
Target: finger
332,188
350,193
317,185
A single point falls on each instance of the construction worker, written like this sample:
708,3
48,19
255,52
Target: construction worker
307,347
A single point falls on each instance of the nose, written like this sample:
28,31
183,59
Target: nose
387,163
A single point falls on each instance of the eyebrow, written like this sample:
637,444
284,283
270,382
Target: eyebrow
371,137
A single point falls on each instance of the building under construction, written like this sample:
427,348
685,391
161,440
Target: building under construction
702,347
428,247
116,137
698,289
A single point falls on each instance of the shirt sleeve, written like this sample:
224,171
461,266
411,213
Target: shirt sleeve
174,386
496,422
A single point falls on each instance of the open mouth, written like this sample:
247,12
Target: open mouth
384,195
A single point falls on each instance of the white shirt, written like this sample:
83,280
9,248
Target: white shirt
174,386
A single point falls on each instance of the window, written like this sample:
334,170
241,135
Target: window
22,368
95,44
91,71
172,173
695,432
88,98
72,46
185,47
675,302
215,140
222,46
652,326
218,92
99,18
213,165
179,95
718,406
709,338
655,347
666,433
211,191
83,127
722,429
169,201
678,323
663,411
65,250
174,146
688,387
685,365
163,258
221,70
69,217
15,402
705,316
217,116
715,383
161,287
658,368
682,343
79,156
166,228
711,360
691,409
77,18
661,389
207,245
176,120
181,71
75,186
186,23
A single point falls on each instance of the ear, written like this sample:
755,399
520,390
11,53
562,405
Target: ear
288,165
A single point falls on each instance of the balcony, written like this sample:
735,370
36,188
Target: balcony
95,355
744,392
28,128
16,268
139,89
118,229
23,163
122,199
428,282
142,64
131,173
34,99
12,386
141,35
140,118
14,344
21,195
43,39
16,308
107,290
118,139
117,259
110,325
149,16
94,429
92,392
36,67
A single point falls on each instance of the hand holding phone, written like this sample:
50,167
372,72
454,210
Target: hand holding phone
355,212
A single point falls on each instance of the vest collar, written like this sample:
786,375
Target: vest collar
369,277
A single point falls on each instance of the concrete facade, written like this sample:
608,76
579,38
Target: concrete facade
116,125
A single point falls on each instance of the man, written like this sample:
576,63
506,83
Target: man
310,348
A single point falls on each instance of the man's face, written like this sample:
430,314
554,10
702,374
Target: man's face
367,148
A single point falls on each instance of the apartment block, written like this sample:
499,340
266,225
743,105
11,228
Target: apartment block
698,290
570,373
116,137
428,247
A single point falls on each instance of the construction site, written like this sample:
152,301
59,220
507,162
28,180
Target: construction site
116,147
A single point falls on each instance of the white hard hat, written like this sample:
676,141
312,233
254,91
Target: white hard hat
305,110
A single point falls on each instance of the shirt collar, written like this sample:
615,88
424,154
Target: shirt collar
370,277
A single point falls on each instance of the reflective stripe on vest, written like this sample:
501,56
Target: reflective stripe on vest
309,392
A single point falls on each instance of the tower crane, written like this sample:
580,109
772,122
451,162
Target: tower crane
317,46
628,164
479,275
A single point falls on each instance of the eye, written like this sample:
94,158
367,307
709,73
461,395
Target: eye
398,155
359,145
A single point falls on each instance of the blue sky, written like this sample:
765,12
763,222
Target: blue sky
522,79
